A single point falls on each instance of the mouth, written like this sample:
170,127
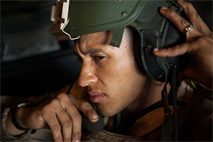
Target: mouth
95,96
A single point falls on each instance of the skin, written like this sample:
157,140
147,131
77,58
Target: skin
199,43
104,67
105,74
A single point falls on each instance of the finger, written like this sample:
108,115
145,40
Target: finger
194,18
74,115
200,47
85,107
176,19
76,122
65,122
179,22
173,51
52,121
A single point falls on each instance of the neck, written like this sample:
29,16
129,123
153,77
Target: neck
150,95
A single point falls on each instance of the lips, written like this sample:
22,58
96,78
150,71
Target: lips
95,96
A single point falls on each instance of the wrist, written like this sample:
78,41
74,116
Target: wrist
17,115
11,129
21,115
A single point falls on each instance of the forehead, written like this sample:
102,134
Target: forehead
91,40
101,40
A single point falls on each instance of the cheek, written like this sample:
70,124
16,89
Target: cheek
119,71
107,70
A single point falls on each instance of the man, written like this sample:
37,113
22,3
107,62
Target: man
116,85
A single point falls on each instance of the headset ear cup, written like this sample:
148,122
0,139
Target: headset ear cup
137,49
151,64
143,44
155,67
147,62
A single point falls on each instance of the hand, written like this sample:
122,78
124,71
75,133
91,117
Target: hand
61,115
199,41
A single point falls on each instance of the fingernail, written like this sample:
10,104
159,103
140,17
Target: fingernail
94,117
164,8
77,141
156,49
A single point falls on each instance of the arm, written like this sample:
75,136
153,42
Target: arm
199,41
60,115
11,128
5,135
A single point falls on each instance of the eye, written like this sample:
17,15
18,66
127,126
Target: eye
97,58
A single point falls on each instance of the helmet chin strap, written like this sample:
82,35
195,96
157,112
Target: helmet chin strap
173,82
117,35
168,131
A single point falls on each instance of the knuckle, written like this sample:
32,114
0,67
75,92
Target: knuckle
84,104
184,22
58,138
62,96
187,5
50,107
77,135
196,16
56,127
55,102
46,108
172,14
67,138
71,97
77,118
201,40
67,124
174,50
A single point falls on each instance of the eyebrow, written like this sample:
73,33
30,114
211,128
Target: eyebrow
90,51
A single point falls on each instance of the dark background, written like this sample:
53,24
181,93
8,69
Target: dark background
32,60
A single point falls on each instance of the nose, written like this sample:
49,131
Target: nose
87,75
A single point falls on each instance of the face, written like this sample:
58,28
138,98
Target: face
110,73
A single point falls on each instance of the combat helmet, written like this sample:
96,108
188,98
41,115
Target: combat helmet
73,18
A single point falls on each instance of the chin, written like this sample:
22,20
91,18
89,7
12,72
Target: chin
106,112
